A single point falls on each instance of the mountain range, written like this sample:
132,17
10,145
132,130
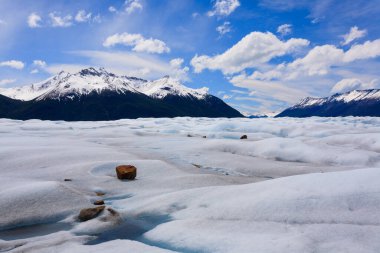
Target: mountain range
352,103
95,94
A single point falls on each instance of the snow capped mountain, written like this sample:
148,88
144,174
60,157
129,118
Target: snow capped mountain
351,96
95,94
91,80
355,103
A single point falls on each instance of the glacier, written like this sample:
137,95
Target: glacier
295,185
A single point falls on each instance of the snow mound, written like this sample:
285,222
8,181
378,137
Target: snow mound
308,213
32,203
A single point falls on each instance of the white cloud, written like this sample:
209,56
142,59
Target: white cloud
284,29
176,63
319,61
195,14
2,22
112,9
251,51
139,43
354,34
225,28
82,16
349,84
226,96
58,21
34,20
12,64
151,46
97,19
223,7
178,71
6,81
39,63
367,50
239,91
132,6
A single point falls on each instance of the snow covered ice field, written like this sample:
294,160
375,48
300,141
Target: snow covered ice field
295,185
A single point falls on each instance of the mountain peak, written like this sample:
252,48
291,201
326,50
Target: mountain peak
91,71
355,103
346,97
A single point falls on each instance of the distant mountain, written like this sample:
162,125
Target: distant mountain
95,94
257,116
353,103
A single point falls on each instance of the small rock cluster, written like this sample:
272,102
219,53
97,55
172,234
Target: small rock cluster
123,172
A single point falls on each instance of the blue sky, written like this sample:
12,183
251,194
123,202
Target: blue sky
259,56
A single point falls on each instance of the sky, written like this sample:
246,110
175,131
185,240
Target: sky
258,56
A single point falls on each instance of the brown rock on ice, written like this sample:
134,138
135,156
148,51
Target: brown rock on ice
126,172
100,193
99,202
90,213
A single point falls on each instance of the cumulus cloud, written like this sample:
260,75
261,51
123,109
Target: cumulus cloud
251,51
355,33
82,16
319,61
39,63
223,7
34,20
12,64
177,62
367,50
349,84
284,29
112,9
139,43
6,81
225,28
195,14
60,21
178,71
132,6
